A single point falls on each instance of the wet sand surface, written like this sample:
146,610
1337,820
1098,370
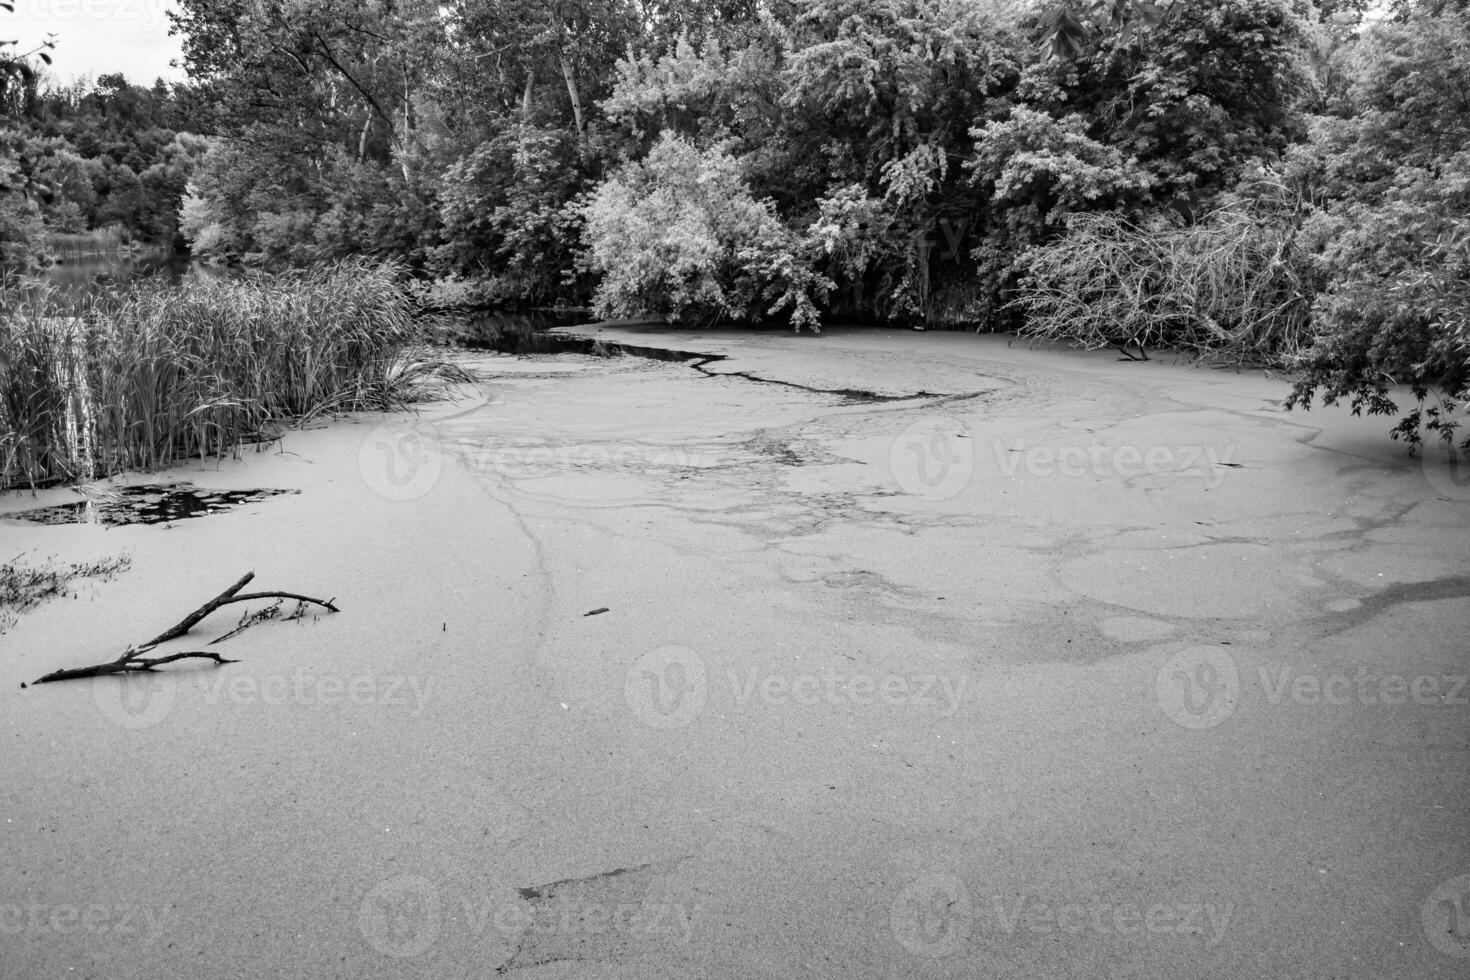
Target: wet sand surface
1036,665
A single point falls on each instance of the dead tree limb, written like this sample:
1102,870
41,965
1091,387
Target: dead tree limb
129,662
188,622
224,599
133,661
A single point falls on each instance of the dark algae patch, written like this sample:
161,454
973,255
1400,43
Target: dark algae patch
527,339
149,504
545,342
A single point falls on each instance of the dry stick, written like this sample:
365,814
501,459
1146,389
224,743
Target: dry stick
272,611
191,620
224,599
132,662
129,662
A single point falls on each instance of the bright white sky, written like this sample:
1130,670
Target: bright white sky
95,37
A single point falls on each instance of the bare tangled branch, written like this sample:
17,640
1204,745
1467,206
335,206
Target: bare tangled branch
133,661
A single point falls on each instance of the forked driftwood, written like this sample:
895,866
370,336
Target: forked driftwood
133,661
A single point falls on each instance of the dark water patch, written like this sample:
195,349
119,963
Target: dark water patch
84,276
149,504
784,452
531,334
847,394
545,342
505,332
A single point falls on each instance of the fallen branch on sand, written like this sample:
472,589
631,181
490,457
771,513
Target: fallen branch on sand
133,661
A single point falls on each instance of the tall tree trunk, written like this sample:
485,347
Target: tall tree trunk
367,125
407,105
526,98
570,76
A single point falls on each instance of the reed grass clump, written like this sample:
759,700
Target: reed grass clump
158,372
70,246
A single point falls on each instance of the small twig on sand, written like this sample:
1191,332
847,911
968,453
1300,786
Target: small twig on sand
249,619
133,661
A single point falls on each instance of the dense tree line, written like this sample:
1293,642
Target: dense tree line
937,139
1265,178
91,155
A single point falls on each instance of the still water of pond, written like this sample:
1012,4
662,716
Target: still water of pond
90,274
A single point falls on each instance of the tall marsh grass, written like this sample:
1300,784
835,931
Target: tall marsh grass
159,372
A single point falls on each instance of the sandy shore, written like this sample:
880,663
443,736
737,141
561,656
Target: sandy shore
1067,668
